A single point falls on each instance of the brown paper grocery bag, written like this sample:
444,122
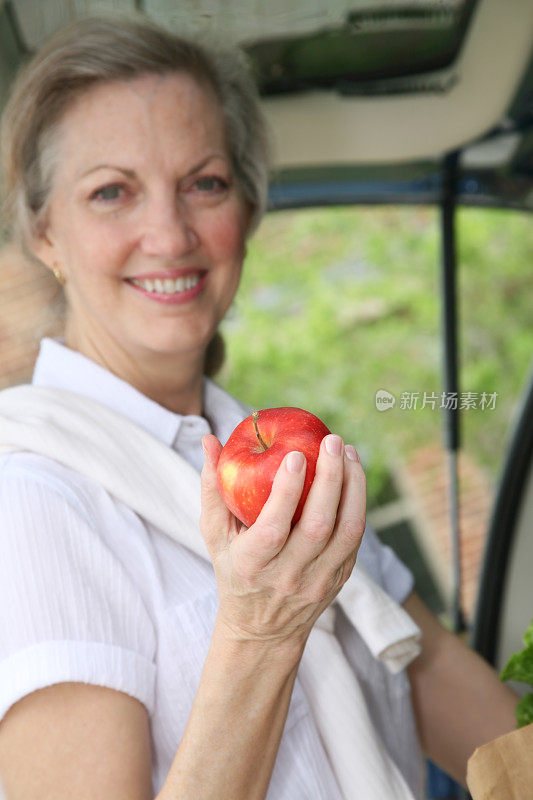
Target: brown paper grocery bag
503,768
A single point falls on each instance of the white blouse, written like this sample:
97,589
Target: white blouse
90,592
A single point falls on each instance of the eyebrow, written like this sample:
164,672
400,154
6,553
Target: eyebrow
130,173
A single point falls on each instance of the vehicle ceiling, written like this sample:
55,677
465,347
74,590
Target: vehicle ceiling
365,98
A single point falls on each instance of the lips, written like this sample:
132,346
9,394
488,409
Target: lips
168,273
180,296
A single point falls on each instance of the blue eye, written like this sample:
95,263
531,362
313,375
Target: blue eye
107,193
210,184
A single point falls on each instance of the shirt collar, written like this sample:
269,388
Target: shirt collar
60,367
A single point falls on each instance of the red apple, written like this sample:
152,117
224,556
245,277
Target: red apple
250,458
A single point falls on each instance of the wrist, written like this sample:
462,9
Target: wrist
258,650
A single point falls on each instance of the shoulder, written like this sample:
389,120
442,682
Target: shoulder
44,500
40,498
31,471
75,599
50,508
57,519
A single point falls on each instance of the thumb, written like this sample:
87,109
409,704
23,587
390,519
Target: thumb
215,518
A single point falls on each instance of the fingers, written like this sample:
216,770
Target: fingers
311,534
215,518
260,543
332,522
351,515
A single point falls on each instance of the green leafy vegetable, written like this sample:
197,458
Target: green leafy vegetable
524,710
520,668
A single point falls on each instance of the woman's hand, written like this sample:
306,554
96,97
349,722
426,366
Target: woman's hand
274,583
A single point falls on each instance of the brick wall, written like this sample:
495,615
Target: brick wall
30,306
424,480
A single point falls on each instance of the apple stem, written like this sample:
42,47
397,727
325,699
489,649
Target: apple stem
255,417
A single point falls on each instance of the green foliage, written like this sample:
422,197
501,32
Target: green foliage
524,711
336,304
520,668
528,637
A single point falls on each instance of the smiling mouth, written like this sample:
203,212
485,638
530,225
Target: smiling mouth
168,285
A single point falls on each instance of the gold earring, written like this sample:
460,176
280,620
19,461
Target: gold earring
59,275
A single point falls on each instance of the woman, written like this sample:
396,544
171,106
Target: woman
134,157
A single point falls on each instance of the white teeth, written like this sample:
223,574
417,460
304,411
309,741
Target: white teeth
168,285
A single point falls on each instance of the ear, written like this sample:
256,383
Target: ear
41,247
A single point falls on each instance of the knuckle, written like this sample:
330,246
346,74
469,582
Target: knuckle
316,526
328,472
249,568
271,532
351,529
325,587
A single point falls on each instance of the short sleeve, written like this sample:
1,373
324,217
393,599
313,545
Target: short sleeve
382,563
69,611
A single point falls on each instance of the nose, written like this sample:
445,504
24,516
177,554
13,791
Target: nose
168,231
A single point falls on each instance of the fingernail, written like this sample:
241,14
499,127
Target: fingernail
334,444
351,452
295,461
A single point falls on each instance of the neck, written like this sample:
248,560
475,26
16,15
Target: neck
174,381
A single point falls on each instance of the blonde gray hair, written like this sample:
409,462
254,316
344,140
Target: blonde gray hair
104,48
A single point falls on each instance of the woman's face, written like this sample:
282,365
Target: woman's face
144,188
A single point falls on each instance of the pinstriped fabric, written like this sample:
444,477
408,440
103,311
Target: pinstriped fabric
57,551
71,610
135,611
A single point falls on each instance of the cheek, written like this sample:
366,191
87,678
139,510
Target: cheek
99,248
226,235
